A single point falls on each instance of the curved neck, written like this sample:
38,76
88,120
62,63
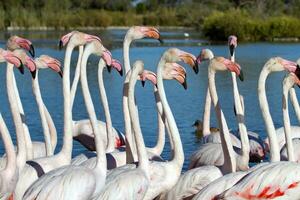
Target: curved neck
101,157
126,45
229,159
178,156
140,145
28,142
68,139
245,147
130,141
110,137
76,76
158,148
40,104
11,163
295,103
21,155
286,121
52,128
264,106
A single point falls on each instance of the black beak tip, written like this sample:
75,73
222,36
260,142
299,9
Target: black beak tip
184,85
21,68
143,83
33,74
241,76
108,68
234,110
121,72
60,46
196,67
60,74
31,51
160,40
231,49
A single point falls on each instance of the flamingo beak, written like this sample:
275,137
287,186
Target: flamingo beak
33,73
60,74
297,71
241,75
160,39
121,72
231,49
184,84
31,51
108,68
61,45
143,83
21,67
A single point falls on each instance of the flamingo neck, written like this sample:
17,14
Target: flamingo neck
76,76
21,155
40,104
287,85
178,155
126,45
101,157
158,148
245,146
295,103
110,137
207,107
140,145
264,106
206,114
229,165
66,150
11,164
52,128
130,141
28,142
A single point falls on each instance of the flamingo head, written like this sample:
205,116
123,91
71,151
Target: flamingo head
290,66
8,56
45,61
226,64
16,42
117,65
148,75
139,32
205,54
77,38
27,61
175,55
175,71
232,43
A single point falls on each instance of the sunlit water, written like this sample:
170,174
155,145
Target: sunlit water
186,105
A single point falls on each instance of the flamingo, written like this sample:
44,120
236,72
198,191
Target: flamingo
51,185
9,173
163,175
212,153
187,187
226,182
29,174
139,176
83,133
274,64
43,62
256,143
273,180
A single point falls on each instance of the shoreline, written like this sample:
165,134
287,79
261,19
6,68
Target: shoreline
45,28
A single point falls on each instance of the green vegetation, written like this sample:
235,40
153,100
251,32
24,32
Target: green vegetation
248,19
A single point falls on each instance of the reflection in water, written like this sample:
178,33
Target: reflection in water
187,105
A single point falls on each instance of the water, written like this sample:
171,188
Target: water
186,105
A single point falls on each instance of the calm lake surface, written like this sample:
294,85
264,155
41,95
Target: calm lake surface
187,105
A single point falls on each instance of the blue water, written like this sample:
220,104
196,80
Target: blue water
187,105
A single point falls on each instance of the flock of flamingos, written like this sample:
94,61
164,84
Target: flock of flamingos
119,166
